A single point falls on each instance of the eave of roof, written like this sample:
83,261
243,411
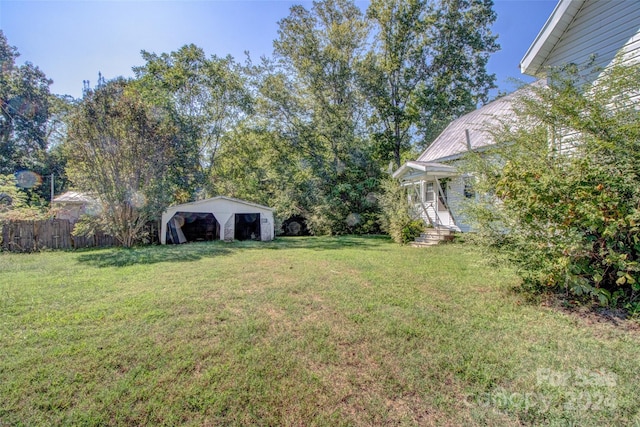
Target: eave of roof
563,14
71,197
231,199
431,167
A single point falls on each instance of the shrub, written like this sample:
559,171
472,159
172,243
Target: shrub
411,230
396,218
563,200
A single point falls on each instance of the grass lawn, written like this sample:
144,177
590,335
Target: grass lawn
300,331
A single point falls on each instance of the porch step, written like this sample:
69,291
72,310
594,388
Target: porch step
433,236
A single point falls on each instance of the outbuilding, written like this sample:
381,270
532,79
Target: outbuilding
71,205
218,218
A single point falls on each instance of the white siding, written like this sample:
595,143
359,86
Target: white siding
457,201
601,28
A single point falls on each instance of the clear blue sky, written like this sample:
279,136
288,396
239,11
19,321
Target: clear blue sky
74,39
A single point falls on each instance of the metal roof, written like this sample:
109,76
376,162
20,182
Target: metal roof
434,169
471,130
73,197
214,199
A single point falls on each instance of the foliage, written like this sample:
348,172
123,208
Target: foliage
562,201
24,111
426,68
14,203
460,44
207,97
391,71
254,165
120,150
310,98
396,217
412,230
27,123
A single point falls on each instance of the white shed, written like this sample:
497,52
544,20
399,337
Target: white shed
218,218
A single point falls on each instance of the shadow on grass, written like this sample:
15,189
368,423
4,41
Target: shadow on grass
366,242
122,257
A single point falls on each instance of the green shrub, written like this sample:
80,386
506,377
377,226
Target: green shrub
396,219
563,200
411,230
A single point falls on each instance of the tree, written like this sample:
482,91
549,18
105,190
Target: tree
254,165
14,203
393,70
460,44
315,104
120,149
24,111
207,96
563,200
427,67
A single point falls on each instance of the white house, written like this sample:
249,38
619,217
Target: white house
436,188
579,30
576,32
218,218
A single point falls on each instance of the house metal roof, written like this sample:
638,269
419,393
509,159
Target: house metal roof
470,132
433,168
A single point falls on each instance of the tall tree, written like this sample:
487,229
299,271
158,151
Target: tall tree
427,66
461,42
393,70
208,96
120,149
24,111
321,110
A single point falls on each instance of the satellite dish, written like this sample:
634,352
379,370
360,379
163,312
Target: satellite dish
5,199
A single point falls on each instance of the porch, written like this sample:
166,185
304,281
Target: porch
429,190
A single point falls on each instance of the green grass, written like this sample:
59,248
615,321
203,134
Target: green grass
300,331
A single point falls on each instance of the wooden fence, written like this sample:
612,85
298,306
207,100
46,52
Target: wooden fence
31,236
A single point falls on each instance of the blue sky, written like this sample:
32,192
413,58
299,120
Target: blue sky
73,40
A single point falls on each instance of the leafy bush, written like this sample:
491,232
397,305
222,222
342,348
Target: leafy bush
15,205
411,230
396,218
562,198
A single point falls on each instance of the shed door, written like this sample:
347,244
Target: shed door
247,226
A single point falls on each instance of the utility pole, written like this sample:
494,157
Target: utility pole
52,187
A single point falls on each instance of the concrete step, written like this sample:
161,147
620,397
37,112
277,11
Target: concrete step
438,232
433,236
423,244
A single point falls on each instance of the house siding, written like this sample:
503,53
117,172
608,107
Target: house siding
455,199
603,28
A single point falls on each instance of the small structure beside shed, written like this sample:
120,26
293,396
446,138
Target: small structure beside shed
71,205
218,218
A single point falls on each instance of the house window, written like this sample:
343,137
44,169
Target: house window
429,193
469,192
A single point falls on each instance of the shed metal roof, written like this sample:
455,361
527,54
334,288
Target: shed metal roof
214,199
